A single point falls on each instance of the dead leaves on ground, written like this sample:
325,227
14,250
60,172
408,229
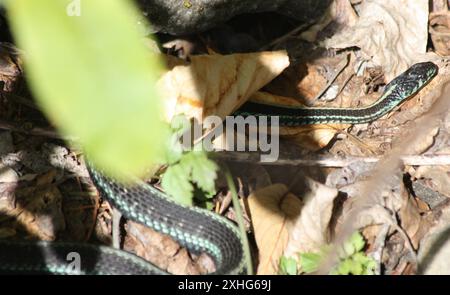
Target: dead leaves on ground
36,210
220,84
271,209
164,252
287,225
34,205
403,24
284,224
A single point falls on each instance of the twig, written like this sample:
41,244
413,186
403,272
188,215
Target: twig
117,216
331,161
349,78
285,37
240,221
342,65
36,131
21,100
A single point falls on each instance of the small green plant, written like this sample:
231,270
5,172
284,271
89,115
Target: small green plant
352,260
188,170
288,266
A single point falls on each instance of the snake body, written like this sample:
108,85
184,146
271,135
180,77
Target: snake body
197,229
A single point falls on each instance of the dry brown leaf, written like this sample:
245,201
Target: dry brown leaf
300,81
437,178
181,264
313,137
164,252
390,33
434,251
411,220
310,230
270,209
218,84
151,245
39,212
46,178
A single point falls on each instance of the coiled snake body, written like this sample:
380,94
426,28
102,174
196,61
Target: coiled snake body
197,229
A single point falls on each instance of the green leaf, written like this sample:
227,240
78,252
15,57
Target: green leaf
368,263
94,78
309,262
174,151
193,167
176,183
357,240
353,245
344,267
203,170
288,266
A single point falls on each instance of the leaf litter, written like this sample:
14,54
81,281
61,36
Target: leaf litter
287,217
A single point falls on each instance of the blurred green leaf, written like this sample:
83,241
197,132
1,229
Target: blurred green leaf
357,241
355,244
174,151
93,77
352,260
288,266
309,262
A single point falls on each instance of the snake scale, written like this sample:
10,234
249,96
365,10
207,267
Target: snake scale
197,229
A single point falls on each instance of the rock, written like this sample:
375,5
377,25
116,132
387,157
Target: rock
179,17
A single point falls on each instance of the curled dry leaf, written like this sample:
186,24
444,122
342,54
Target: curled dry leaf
271,209
390,33
309,232
218,84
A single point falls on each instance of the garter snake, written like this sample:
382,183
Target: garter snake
197,229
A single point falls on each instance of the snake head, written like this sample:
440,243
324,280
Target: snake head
421,72
413,79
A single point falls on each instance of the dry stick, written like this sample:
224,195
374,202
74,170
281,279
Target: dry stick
21,100
285,37
342,65
384,175
349,77
332,161
36,131
240,222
